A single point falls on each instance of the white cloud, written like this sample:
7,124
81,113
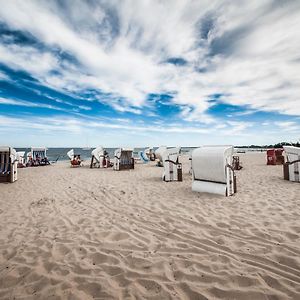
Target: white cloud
251,53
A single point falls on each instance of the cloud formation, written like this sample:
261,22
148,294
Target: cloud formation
119,53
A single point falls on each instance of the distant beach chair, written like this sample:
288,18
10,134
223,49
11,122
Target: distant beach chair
143,157
213,171
291,167
172,166
100,158
158,154
8,164
123,159
75,159
21,159
275,157
37,157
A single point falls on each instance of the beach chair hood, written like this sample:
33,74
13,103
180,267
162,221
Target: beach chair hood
71,154
212,170
98,152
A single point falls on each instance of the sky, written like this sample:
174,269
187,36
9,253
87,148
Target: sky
149,73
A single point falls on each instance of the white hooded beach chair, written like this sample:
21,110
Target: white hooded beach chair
291,167
172,166
21,159
37,156
74,158
123,159
8,164
212,170
143,157
100,158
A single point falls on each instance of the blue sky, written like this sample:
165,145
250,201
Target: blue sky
146,73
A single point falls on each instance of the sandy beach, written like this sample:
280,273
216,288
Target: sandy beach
102,234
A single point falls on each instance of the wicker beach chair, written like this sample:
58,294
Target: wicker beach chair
291,167
172,166
213,171
123,159
8,164
75,159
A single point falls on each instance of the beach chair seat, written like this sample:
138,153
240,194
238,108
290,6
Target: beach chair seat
212,170
123,159
21,159
8,164
172,166
291,167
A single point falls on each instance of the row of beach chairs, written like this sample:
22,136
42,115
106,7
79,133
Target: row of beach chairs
212,167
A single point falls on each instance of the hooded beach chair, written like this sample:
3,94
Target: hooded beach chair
291,167
143,157
21,159
74,158
123,159
275,157
100,158
158,154
172,166
8,164
37,157
213,171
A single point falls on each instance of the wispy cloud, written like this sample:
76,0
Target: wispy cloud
117,54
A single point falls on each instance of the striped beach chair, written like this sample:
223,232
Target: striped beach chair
8,164
37,157
123,159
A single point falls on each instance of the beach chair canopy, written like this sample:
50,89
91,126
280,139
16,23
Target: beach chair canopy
292,153
71,154
38,152
8,164
126,152
98,152
171,154
12,152
159,151
209,163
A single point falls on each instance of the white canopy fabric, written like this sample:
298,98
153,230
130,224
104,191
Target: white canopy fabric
291,152
20,156
98,152
39,149
13,152
120,150
209,163
71,154
171,153
159,151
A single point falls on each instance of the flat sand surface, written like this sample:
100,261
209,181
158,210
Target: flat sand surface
102,234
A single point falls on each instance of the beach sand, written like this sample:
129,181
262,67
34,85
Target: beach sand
101,234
